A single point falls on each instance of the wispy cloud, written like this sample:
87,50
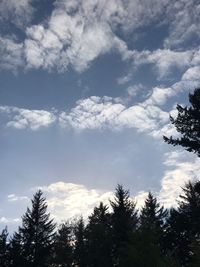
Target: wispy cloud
185,23
15,198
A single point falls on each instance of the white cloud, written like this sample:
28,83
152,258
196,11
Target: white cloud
4,220
165,60
140,199
18,12
92,113
184,22
100,113
14,198
70,39
133,90
181,167
66,200
11,54
79,31
192,74
160,95
24,118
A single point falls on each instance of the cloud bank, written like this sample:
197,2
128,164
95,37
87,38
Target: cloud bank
79,31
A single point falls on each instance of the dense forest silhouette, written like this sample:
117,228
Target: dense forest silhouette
121,236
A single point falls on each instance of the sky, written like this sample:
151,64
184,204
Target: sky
86,89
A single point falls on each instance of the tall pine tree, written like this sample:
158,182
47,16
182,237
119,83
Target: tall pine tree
98,237
151,231
63,246
4,256
16,250
124,223
80,252
37,233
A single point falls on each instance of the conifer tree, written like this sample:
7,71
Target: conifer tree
4,257
187,124
183,231
63,246
16,258
124,223
151,232
37,233
98,236
189,206
80,252
152,215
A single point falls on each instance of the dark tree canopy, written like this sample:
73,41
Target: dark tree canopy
122,237
187,124
152,214
62,247
80,252
124,223
98,235
37,233
4,258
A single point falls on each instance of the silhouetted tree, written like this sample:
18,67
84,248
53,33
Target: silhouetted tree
98,233
183,229
195,257
16,258
187,124
37,233
80,252
189,206
152,215
151,231
124,223
63,246
4,257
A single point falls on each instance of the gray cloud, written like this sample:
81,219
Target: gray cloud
184,23
18,12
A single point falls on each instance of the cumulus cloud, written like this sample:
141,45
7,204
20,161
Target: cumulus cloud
192,74
75,35
11,54
66,200
181,167
101,113
77,32
18,12
24,118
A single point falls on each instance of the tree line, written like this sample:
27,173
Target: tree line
121,236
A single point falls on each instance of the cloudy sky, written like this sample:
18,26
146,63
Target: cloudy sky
86,88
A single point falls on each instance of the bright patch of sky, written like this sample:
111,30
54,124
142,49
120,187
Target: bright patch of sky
86,88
